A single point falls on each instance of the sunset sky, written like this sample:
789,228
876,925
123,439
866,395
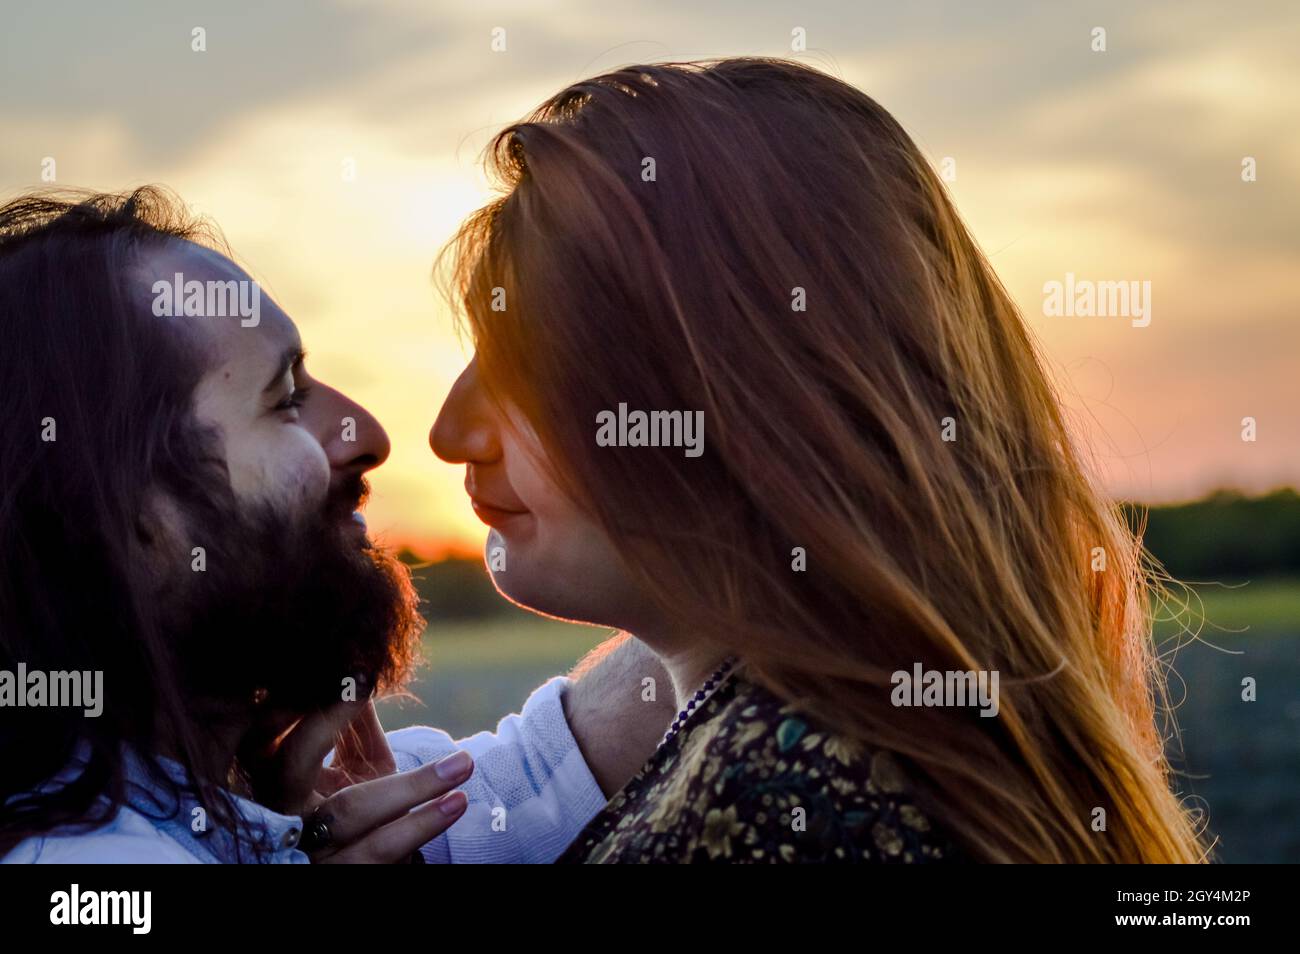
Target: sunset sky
1117,165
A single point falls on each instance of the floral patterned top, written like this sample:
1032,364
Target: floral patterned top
749,779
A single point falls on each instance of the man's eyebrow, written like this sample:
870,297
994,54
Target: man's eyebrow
292,357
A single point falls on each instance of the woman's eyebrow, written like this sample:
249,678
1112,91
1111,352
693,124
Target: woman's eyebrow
293,356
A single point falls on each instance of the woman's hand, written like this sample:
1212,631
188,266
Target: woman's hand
361,752
373,822
358,809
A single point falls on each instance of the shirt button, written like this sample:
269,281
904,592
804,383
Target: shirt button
291,837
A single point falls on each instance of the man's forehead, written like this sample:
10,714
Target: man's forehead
195,262
230,328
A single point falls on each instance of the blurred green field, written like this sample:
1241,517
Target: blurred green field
1268,604
1240,759
476,671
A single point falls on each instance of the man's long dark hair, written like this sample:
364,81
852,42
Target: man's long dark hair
98,426
97,412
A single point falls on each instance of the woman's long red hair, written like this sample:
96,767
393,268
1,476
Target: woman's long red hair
658,229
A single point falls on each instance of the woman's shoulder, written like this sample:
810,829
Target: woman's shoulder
785,788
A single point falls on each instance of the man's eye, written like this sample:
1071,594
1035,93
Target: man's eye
294,400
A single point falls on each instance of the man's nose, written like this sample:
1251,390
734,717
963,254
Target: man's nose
465,431
352,437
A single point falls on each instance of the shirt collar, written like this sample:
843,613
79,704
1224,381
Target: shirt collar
170,805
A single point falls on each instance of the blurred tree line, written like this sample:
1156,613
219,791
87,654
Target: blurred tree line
455,588
1226,536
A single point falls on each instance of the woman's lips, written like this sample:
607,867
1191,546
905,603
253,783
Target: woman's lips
489,511
492,515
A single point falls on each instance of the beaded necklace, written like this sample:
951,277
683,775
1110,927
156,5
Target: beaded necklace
711,685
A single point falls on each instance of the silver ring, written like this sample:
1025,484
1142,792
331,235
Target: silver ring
317,832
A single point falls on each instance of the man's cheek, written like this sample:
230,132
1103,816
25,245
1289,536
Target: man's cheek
306,477
291,474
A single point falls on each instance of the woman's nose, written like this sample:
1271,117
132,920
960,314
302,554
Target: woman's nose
465,431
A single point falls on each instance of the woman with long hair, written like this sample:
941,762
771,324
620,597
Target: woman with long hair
746,387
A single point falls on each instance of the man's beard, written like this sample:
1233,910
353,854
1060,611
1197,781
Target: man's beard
289,610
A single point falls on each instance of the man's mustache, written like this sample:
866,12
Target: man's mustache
348,494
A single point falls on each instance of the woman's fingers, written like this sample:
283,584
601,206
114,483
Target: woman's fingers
303,750
353,814
331,780
395,841
374,747
363,750
286,771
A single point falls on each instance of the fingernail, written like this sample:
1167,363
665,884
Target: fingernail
453,804
454,767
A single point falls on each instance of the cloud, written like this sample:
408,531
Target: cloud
1123,164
